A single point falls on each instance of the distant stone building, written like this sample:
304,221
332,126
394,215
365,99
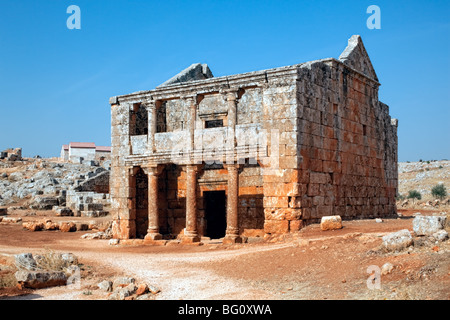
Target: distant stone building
84,151
257,153
11,154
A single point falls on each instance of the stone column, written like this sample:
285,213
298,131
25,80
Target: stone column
192,117
231,96
153,215
191,232
232,232
151,108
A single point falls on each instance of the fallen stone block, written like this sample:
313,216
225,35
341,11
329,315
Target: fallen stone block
11,219
25,261
427,225
331,223
67,227
441,235
62,211
397,241
105,285
33,226
40,279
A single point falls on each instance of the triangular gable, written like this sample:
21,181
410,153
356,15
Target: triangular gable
356,57
196,71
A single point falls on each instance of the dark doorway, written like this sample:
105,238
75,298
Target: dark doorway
215,214
141,204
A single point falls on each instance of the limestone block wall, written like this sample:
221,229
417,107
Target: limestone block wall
347,144
122,188
281,178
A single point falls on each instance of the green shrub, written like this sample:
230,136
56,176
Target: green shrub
439,191
414,194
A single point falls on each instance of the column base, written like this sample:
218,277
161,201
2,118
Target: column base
190,239
230,239
153,236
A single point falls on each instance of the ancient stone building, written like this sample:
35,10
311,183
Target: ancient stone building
257,153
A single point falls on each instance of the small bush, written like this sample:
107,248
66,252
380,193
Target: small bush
414,194
439,191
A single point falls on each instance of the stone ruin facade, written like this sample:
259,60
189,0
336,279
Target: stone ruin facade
257,153
11,154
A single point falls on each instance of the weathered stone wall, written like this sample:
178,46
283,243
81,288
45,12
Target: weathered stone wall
326,146
348,145
121,186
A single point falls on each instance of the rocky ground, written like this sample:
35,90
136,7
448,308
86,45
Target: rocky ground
423,176
310,264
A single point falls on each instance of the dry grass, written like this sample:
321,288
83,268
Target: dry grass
7,270
51,260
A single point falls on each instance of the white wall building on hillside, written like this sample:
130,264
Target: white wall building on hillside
84,151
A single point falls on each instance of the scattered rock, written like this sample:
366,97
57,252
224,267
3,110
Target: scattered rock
123,281
427,225
113,242
11,219
62,211
153,289
378,220
25,261
40,279
142,289
105,285
67,227
331,223
387,268
397,241
33,226
441,235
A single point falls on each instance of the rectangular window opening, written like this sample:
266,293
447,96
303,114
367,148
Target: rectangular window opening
213,123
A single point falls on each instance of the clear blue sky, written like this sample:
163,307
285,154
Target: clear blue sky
55,83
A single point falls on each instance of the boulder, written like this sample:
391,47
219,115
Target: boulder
12,219
49,225
397,241
105,286
33,226
40,279
62,211
427,225
122,292
67,227
142,289
331,223
44,203
121,281
387,268
153,289
25,261
441,235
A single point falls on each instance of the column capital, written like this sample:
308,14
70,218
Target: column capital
154,170
230,94
196,167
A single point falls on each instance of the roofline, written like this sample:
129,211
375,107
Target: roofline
185,88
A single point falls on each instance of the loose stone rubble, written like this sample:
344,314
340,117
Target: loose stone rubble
34,272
